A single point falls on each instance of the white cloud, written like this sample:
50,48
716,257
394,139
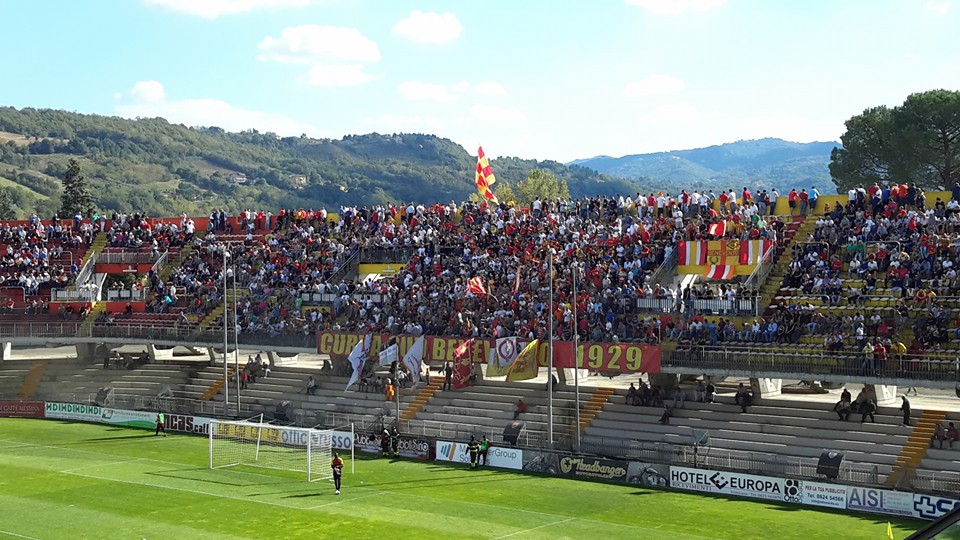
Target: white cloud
941,7
205,112
212,9
672,114
676,7
421,91
498,115
147,92
428,27
489,89
315,44
338,75
654,85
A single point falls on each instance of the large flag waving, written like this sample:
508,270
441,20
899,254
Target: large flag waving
526,366
358,359
462,368
475,285
390,353
485,178
502,356
414,358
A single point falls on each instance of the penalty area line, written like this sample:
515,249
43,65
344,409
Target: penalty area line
544,526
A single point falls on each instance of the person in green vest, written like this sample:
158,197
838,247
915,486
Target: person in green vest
484,448
161,424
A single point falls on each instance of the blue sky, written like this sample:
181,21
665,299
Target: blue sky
559,79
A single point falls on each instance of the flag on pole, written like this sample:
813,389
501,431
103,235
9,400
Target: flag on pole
493,366
390,353
485,178
752,251
719,271
475,285
889,531
462,368
526,365
358,359
516,283
414,359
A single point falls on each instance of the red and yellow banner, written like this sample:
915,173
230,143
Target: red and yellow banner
617,357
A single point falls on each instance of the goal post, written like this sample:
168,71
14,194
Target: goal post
256,444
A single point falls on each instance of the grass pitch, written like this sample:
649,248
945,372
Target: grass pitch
71,480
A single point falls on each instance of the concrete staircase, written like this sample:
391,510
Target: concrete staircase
419,402
594,406
87,325
32,380
905,468
770,289
175,262
207,322
217,385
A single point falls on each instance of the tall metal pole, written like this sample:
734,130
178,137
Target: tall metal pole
226,374
550,352
236,332
576,356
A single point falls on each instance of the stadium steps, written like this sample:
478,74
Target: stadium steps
594,406
87,325
176,262
215,388
32,380
419,402
905,469
11,378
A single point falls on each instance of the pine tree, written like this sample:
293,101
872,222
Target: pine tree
76,197
7,210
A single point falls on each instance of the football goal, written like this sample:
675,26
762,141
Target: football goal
256,444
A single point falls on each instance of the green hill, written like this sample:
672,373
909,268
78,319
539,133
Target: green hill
163,169
762,163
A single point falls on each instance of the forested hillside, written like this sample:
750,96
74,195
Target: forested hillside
160,168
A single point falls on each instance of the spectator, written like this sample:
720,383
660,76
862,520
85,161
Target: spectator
311,388
701,391
447,376
520,409
905,408
631,394
665,417
710,394
868,408
842,408
953,434
939,436
678,398
743,398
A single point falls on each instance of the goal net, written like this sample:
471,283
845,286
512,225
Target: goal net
273,447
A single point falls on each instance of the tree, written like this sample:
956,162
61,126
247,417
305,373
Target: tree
504,193
7,211
76,197
919,141
541,184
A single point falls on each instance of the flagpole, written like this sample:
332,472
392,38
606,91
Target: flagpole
576,359
550,353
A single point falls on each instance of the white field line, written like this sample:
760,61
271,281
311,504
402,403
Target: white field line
15,535
544,526
98,465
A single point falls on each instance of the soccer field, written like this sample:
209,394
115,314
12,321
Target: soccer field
71,480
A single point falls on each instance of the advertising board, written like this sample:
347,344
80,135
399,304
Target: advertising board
71,411
121,417
505,458
818,493
883,501
648,474
600,469
21,409
180,423
453,451
729,483
932,506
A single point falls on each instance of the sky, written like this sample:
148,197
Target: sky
545,79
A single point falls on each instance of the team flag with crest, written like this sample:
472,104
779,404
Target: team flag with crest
475,285
414,359
502,355
526,366
462,368
485,178
358,359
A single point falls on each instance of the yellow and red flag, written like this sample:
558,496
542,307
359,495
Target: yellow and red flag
485,178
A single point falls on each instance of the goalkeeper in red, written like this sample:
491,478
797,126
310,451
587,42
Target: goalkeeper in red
337,465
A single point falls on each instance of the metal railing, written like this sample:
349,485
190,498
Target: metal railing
667,268
841,364
398,255
759,275
131,295
350,266
126,257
